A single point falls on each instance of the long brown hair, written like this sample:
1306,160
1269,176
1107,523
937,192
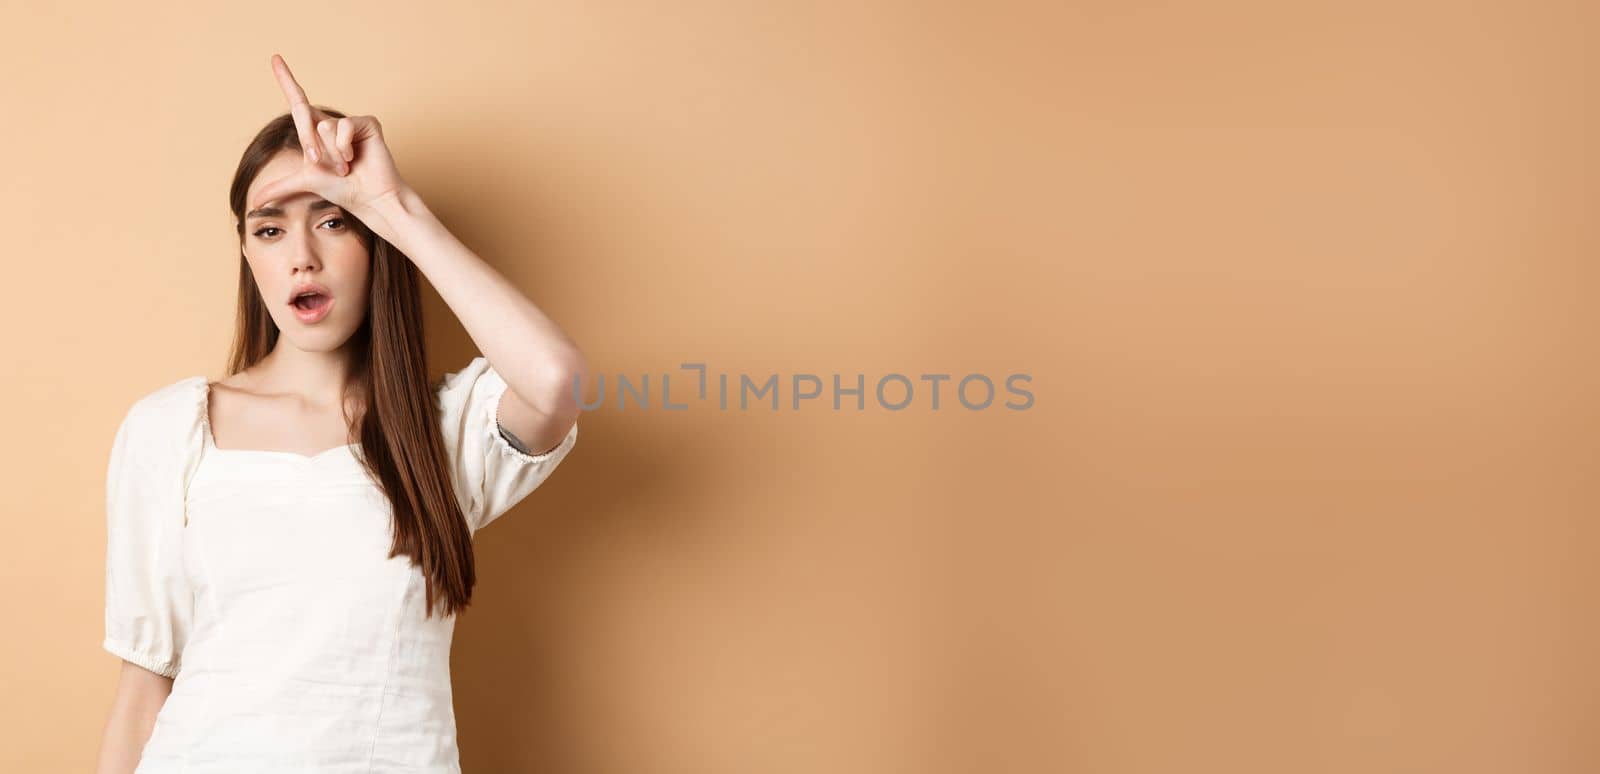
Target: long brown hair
401,444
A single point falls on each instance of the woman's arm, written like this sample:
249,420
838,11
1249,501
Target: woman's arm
141,694
535,357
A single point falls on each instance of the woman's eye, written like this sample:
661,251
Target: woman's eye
263,231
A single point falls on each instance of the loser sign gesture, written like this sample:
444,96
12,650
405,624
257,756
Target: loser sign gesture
344,160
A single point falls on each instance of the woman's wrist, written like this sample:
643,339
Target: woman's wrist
394,214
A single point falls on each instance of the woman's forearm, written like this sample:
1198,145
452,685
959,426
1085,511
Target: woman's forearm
140,697
527,348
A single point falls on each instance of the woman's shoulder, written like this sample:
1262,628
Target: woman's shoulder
167,415
180,397
463,376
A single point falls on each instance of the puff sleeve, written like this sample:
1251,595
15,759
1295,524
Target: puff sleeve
491,474
149,603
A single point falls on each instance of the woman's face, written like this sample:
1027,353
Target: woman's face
301,239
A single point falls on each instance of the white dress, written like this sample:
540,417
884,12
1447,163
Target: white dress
259,580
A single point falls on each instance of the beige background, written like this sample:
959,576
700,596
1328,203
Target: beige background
1304,289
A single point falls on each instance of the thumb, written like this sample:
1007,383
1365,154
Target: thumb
289,184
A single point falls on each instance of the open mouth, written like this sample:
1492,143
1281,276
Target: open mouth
310,301
311,305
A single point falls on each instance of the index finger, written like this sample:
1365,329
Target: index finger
299,108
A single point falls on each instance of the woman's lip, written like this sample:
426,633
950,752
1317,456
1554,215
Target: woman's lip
309,316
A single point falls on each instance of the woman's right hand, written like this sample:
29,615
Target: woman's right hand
345,160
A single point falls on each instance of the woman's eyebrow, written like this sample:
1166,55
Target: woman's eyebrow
273,212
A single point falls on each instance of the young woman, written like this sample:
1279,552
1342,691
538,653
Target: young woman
288,546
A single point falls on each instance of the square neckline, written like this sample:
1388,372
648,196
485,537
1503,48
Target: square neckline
211,441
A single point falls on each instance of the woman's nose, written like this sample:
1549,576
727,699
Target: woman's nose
305,254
